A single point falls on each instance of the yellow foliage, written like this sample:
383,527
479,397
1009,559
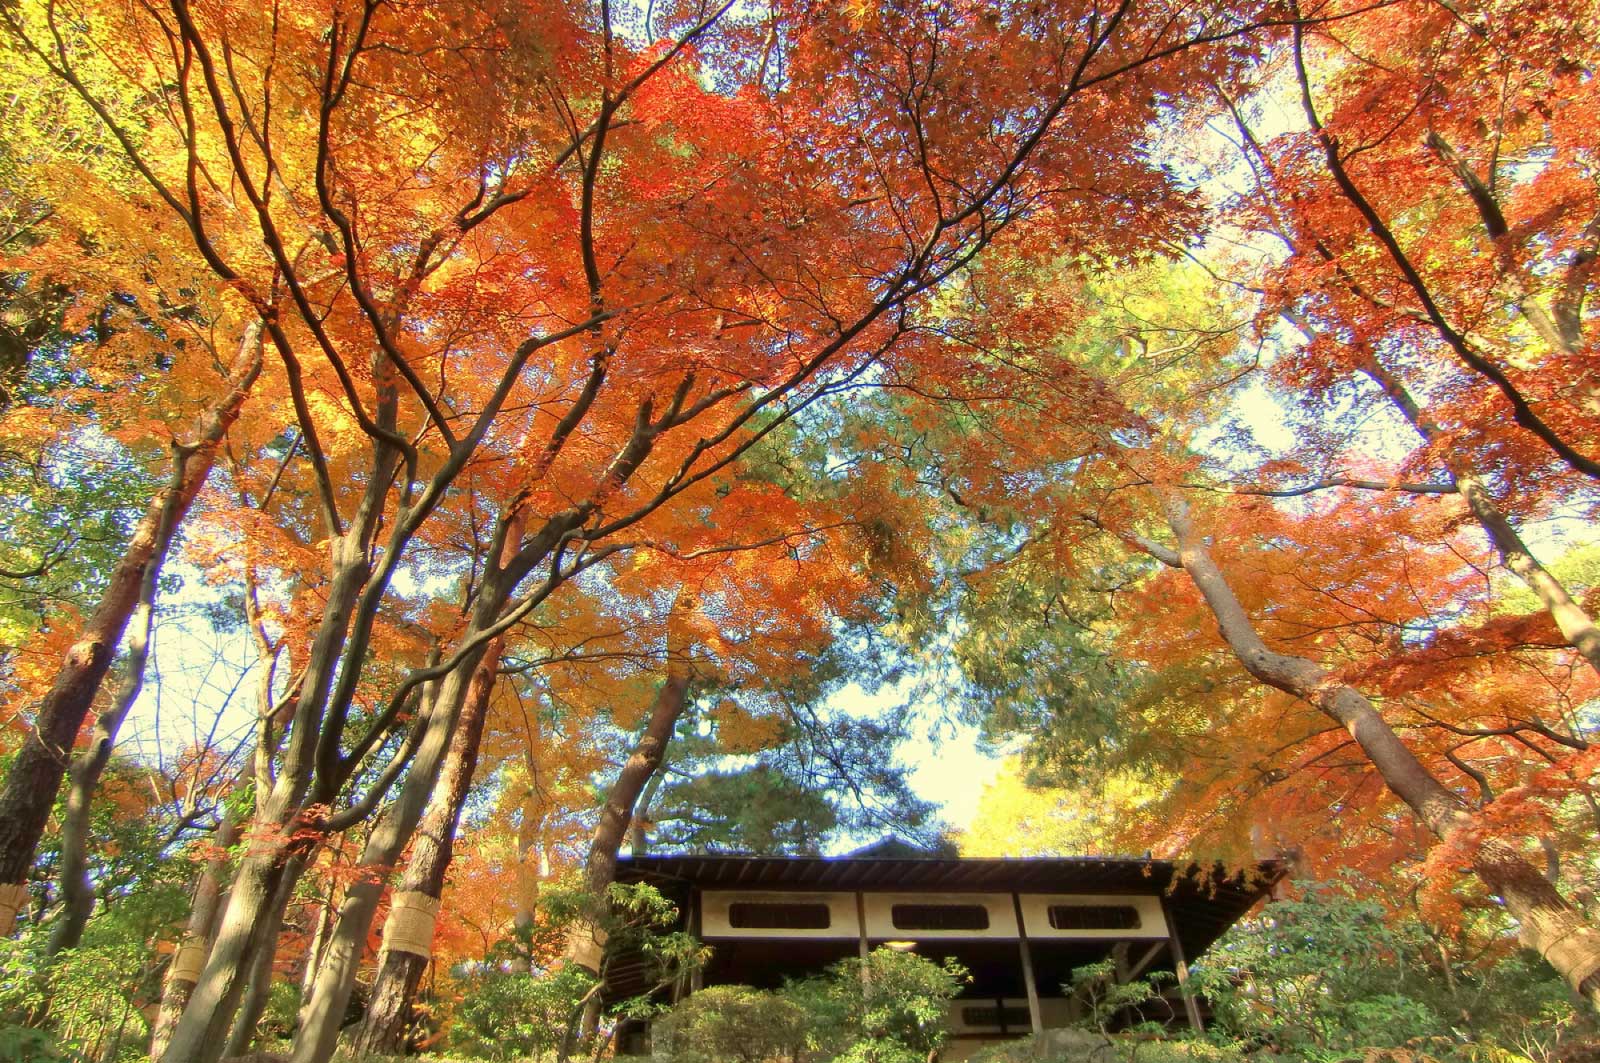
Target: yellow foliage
1018,819
740,731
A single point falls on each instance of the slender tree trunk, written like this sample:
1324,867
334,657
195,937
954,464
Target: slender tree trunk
258,993
77,894
638,835
1561,327
196,935
312,766
469,681
1465,349
532,859
31,784
586,940
1547,923
315,768
319,941
202,1031
1571,619
400,970
318,1036
585,945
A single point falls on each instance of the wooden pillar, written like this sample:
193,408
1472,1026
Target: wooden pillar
861,935
861,925
697,980
1035,1014
1142,964
1181,967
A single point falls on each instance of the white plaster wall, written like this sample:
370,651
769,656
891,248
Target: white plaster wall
715,903
880,921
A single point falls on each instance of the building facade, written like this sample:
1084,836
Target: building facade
1020,926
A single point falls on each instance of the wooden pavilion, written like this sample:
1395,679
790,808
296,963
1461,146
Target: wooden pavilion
1020,926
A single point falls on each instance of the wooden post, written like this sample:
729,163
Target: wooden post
1142,964
861,932
1190,1006
697,980
1035,1014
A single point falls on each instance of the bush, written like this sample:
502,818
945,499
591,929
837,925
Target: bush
84,1003
896,1014
509,1007
1323,976
22,1044
733,1022
507,1015
282,1014
899,1009
1083,1046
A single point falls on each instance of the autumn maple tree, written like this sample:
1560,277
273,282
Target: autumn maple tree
1377,579
535,377
599,259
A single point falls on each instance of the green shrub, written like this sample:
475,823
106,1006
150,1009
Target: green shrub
1322,977
895,1014
22,1044
733,1022
506,1015
511,1008
899,1009
1084,1046
83,1004
282,1013
1106,998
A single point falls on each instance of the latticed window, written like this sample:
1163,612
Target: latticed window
990,1015
773,915
940,917
1094,917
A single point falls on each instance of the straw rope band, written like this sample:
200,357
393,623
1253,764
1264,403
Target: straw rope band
188,961
1569,943
410,924
588,950
13,898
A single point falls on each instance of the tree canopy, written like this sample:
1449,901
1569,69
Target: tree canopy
537,426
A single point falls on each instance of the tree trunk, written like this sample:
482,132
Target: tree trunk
258,993
638,835
77,893
318,1036
1547,923
313,770
532,867
586,939
1574,623
196,936
35,775
585,945
386,1029
319,940
202,1031
388,1019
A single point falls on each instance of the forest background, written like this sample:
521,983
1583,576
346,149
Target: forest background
570,407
